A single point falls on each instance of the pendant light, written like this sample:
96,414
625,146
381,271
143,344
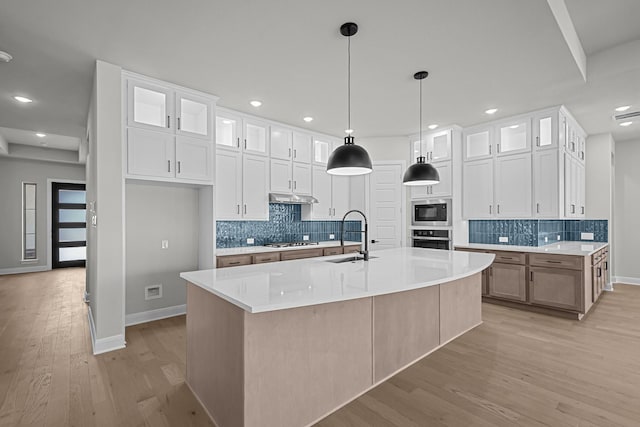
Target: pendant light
349,159
421,173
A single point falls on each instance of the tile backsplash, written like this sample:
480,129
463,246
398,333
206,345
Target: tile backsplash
284,225
533,232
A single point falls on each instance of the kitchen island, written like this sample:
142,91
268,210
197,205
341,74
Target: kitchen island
285,344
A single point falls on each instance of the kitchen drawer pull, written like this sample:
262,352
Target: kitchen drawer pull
234,263
506,257
554,262
599,272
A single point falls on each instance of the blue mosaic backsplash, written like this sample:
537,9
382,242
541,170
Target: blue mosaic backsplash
284,225
532,232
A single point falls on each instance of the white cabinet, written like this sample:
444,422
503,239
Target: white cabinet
332,193
513,186
255,187
256,137
160,155
478,142
301,147
546,184
301,178
149,106
193,115
228,195
436,146
322,149
478,189
514,136
545,130
281,173
244,191
574,187
441,189
228,131
281,143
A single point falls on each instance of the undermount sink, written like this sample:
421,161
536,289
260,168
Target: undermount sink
348,259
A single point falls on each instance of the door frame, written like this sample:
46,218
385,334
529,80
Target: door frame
50,181
403,197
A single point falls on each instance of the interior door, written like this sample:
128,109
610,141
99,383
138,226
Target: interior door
68,225
385,189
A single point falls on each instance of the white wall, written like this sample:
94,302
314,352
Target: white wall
626,208
105,274
387,148
157,212
13,172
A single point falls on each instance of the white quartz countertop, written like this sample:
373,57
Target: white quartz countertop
289,284
560,248
261,249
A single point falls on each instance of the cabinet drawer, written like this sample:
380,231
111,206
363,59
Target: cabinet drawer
511,257
560,261
333,251
266,257
233,260
300,254
351,249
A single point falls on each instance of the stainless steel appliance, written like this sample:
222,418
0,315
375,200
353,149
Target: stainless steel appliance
431,212
432,239
289,244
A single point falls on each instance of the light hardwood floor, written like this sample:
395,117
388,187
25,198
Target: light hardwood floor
518,368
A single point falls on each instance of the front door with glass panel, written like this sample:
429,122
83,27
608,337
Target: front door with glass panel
68,225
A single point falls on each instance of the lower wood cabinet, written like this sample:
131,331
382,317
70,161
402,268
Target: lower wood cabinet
233,260
508,281
556,287
301,254
275,256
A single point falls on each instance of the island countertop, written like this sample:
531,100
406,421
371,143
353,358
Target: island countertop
298,283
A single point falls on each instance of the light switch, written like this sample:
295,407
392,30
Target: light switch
250,241
165,244
503,239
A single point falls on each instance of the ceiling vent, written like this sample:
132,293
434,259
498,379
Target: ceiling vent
626,116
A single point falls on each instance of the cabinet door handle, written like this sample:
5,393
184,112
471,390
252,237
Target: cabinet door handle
168,165
289,152
491,271
606,265
582,210
238,209
289,184
178,166
497,148
178,123
498,208
168,122
490,210
334,211
245,143
531,275
329,211
245,208
238,143
599,272
295,153
537,207
537,141
489,148
295,185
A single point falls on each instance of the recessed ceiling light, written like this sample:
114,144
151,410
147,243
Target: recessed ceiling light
22,99
41,135
227,122
5,57
348,131
514,126
491,111
307,119
625,124
432,127
623,108
256,103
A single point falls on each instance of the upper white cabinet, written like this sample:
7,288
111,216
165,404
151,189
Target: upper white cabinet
332,193
546,184
149,106
256,137
255,187
545,130
478,189
301,178
436,146
281,143
193,115
322,149
301,147
574,187
229,196
513,186
513,137
168,133
228,131
478,142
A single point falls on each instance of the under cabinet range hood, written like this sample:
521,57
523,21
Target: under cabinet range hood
291,199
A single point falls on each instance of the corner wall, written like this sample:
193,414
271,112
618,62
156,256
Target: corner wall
626,208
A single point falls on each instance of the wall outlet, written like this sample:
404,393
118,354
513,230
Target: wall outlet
164,244
153,292
586,236
558,237
503,239
250,241
305,237
332,236
546,239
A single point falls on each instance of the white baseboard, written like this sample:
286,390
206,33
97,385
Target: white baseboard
157,314
18,270
626,280
103,345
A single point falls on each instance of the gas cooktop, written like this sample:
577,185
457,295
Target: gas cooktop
289,244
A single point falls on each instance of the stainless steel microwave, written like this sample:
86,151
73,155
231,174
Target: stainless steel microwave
431,212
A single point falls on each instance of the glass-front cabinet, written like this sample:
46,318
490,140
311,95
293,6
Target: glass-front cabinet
256,134
149,106
228,131
545,130
514,136
193,116
478,142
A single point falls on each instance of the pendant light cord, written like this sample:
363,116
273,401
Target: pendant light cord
420,139
349,83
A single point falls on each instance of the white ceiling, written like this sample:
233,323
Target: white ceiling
494,53
25,137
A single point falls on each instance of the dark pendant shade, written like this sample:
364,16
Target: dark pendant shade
349,159
421,173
